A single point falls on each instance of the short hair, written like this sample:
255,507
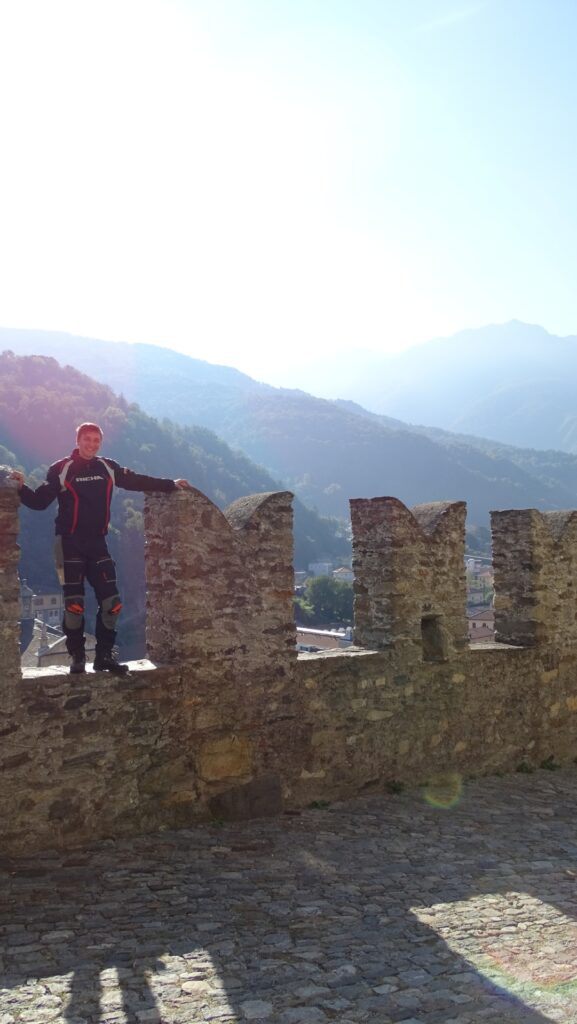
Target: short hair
85,427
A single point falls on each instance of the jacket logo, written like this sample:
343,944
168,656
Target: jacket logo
84,479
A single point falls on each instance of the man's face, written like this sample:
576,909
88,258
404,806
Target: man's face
89,443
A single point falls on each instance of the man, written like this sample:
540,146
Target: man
83,484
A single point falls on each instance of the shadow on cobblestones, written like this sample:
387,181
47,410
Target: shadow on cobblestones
381,910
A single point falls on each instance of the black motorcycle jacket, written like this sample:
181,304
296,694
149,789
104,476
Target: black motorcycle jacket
84,488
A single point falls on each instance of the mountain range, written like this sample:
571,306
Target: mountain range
514,383
328,451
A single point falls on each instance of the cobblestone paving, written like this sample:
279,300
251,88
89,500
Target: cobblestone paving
385,909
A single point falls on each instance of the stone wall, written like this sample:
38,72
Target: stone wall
535,563
231,723
9,597
376,721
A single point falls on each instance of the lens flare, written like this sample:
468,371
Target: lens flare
444,790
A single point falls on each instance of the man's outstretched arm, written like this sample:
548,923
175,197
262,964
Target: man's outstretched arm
39,499
132,481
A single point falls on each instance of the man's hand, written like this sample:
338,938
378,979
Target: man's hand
18,477
183,485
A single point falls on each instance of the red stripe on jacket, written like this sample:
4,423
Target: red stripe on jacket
75,513
109,486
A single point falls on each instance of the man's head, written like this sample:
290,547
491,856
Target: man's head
88,440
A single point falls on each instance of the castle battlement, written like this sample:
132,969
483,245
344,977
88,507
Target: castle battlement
232,723
409,565
535,561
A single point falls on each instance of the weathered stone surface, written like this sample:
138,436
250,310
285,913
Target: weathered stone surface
227,757
346,724
239,726
381,910
409,567
9,593
259,798
220,585
535,564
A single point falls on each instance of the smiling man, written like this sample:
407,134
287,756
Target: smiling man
83,484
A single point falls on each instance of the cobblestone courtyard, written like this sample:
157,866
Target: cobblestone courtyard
448,906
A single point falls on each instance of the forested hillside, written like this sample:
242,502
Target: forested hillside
40,405
554,470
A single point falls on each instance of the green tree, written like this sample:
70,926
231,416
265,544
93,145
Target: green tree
328,600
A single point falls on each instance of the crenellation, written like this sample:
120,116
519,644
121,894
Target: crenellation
410,586
264,536
220,585
232,724
535,562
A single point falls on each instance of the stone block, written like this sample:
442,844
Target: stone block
228,757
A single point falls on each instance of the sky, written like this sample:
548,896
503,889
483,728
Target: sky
270,183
